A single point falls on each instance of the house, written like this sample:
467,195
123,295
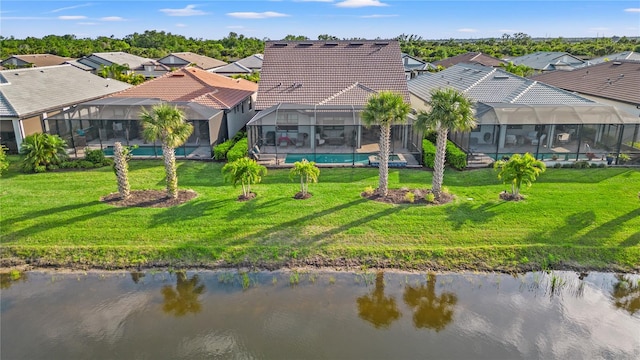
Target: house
414,66
311,95
182,59
470,58
149,68
29,96
542,61
32,60
217,106
243,66
625,55
615,83
518,115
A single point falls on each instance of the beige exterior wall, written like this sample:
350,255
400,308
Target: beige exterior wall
31,125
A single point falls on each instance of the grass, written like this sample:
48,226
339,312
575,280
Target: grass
582,218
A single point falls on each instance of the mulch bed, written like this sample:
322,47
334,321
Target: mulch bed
510,197
300,196
248,197
149,198
399,196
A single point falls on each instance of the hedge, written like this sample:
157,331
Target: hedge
454,155
220,151
428,153
238,150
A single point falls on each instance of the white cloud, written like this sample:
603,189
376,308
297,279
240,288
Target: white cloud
378,16
324,1
256,15
71,7
360,3
112,18
634,10
72,17
181,25
189,10
466,30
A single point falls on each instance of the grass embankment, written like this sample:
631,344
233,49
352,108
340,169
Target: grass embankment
582,219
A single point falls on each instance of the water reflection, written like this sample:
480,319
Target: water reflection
185,298
376,308
626,294
136,276
7,279
430,311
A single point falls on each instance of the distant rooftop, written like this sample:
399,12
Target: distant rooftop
470,58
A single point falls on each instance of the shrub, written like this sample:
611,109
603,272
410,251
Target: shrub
4,162
239,150
410,197
94,156
84,164
455,156
582,164
42,150
428,153
369,190
220,151
557,165
430,197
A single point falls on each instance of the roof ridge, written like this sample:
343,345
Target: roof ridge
333,96
479,80
526,89
212,95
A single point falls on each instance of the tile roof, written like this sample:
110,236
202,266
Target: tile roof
615,80
625,55
135,63
336,72
492,85
233,68
39,60
253,62
201,61
470,57
547,60
194,85
35,90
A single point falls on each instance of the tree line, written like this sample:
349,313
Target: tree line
157,44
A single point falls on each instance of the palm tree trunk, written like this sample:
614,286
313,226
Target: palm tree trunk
438,168
122,171
385,133
169,157
302,185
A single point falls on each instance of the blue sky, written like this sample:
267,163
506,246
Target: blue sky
211,19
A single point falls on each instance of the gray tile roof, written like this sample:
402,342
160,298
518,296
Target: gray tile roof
201,61
233,68
625,55
335,72
35,90
492,85
615,80
547,60
470,57
253,62
37,60
135,63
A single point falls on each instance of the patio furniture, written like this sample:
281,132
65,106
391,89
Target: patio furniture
539,141
319,140
563,138
511,140
263,159
531,136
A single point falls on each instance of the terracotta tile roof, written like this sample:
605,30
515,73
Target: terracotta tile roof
470,57
615,80
40,60
201,61
194,85
335,72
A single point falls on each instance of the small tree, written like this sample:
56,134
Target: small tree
518,170
4,163
121,157
167,124
244,171
40,151
307,171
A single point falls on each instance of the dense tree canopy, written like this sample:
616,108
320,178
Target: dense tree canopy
157,44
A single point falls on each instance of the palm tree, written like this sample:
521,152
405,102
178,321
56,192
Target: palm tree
450,110
167,124
519,170
121,167
244,171
307,171
385,109
41,151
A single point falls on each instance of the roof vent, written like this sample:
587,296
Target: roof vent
177,74
616,63
305,44
501,77
280,44
356,43
331,43
382,43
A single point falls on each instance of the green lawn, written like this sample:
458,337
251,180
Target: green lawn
571,218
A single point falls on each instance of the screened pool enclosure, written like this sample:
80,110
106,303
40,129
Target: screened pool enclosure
314,130
100,123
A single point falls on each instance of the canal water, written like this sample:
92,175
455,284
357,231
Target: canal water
319,315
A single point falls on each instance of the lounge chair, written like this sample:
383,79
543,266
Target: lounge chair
263,159
539,141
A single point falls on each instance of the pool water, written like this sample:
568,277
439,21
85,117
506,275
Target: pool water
329,158
149,151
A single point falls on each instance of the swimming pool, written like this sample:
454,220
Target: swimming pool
149,151
329,158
